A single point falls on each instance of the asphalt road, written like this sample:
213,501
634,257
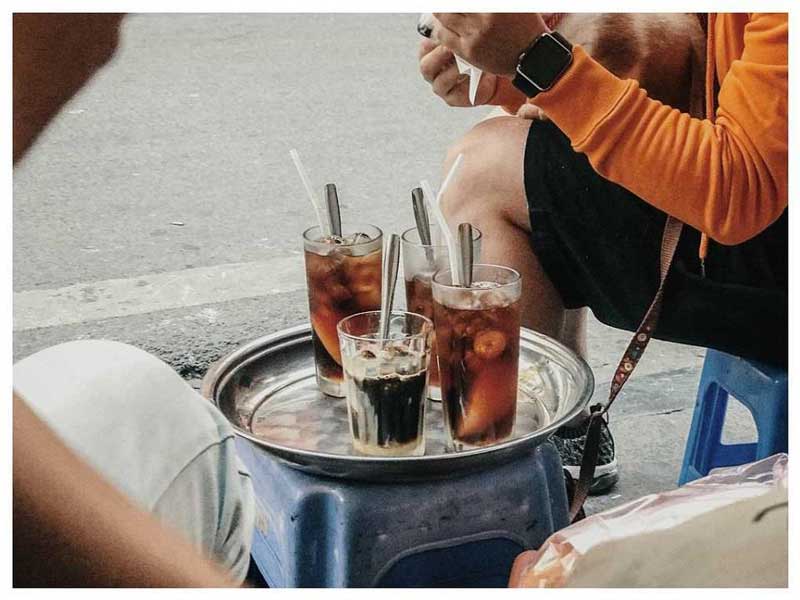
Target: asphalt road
175,158
161,207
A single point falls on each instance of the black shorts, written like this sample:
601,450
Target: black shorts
600,246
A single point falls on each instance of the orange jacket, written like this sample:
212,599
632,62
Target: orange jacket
725,176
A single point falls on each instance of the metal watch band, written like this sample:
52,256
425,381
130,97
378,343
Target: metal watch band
528,83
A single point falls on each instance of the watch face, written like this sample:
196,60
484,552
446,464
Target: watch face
546,62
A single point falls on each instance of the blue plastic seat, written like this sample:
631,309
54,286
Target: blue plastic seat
763,389
460,531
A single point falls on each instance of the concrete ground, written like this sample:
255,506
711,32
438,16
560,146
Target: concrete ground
161,207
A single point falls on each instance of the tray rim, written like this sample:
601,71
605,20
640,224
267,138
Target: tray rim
381,467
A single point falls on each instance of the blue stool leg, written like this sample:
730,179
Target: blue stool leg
706,429
772,421
761,388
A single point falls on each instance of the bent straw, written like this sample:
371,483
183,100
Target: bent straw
450,176
443,230
452,249
319,208
435,208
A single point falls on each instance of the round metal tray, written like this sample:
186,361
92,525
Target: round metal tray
267,390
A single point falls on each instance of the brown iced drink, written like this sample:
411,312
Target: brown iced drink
477,333
420,261
344,278
419,299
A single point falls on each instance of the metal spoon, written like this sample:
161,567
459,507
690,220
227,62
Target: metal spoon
391,264
423,223
334,216
465,248
421,216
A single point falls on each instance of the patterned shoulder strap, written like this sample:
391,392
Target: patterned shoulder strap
634,351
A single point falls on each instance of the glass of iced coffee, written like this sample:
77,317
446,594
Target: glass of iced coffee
420,262
344,277
477,337
386,382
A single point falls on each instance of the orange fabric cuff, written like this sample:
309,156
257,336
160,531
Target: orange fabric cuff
582,98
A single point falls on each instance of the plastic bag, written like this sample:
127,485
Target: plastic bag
562,559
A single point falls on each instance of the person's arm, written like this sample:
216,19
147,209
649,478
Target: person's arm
54,55
72,528
727,178
509,98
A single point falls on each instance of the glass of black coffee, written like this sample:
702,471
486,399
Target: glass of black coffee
386,381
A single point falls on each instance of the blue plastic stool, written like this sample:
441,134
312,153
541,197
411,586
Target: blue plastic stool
763,389
461,531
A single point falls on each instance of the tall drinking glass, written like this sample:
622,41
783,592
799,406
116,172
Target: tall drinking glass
477,335
344,278
420,262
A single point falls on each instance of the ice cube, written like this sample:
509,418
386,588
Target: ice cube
371,368
359,238
400,351
386,367
424,278
339,293
351,239
330,239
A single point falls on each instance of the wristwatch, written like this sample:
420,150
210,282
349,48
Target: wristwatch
542,63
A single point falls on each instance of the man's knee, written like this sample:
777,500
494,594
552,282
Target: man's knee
58,379
492,166
143,428
480,145
125,411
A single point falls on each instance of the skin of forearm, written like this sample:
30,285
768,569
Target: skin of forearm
54,54
72,528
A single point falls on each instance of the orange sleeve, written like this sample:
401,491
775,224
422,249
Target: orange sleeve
728,178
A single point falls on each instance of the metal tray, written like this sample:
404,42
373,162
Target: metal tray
267,390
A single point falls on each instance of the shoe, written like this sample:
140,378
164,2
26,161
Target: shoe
570,441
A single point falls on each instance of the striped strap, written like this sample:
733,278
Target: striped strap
634,351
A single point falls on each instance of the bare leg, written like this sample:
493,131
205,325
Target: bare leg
490,194
574,332
115,406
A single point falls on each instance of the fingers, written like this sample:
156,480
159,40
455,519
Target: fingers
434,62
521,563
426,46
446,37
448,79
486,89
451,21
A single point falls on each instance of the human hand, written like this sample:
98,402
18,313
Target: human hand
492,42
521,564
438,67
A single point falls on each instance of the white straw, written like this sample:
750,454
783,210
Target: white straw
452,249
435,207
450,176
319,208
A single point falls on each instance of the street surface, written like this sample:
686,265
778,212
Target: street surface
161,207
